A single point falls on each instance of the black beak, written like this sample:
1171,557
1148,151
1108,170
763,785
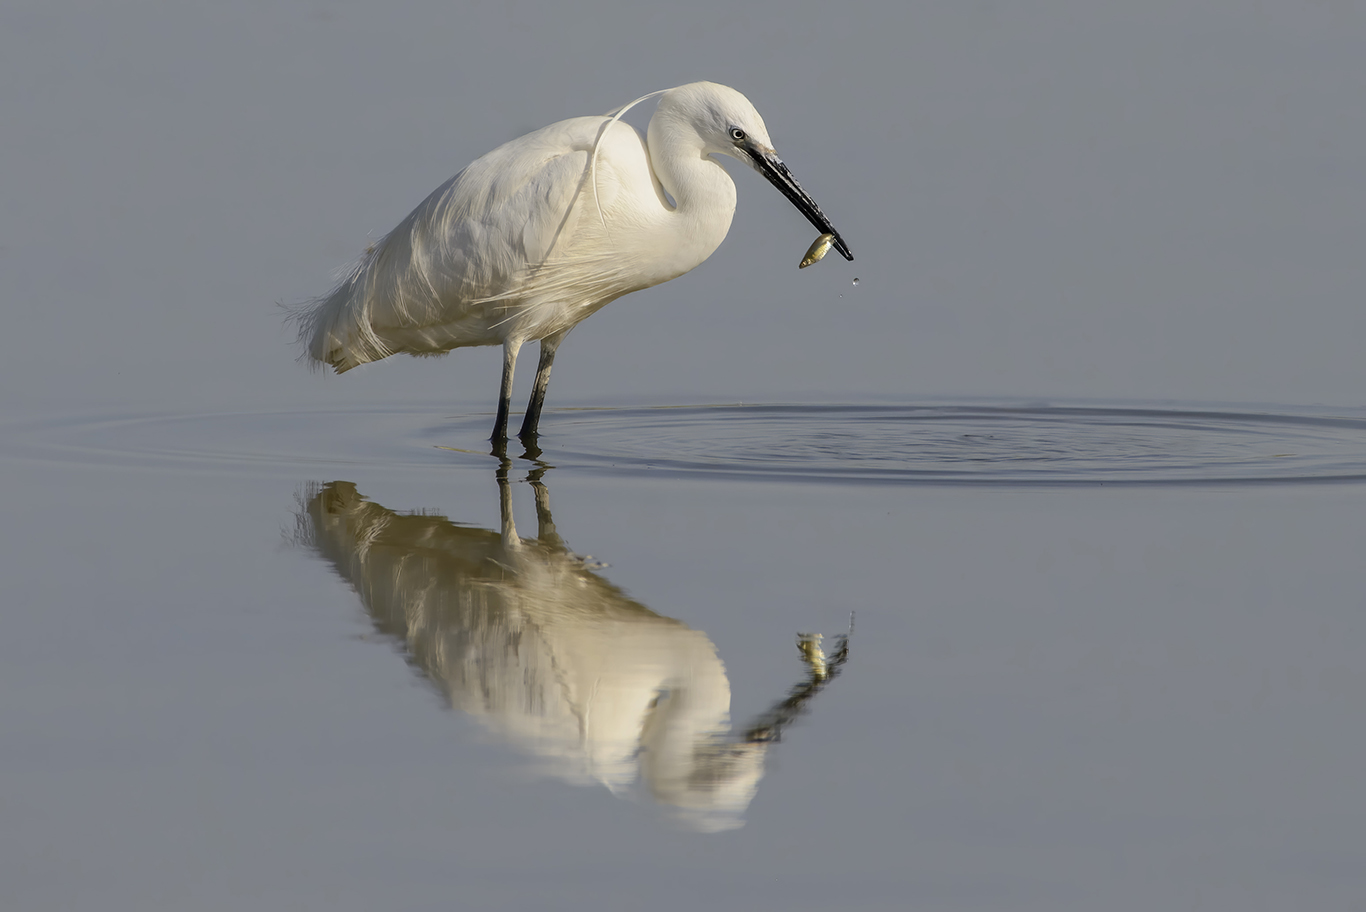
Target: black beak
767,163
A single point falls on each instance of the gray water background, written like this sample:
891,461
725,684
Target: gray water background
1065,696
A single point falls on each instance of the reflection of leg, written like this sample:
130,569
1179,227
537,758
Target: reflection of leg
500,424
510,538
533,409
545,526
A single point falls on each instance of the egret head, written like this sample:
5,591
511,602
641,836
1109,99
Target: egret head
717,113
728,124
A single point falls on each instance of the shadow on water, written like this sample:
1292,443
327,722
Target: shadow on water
526,637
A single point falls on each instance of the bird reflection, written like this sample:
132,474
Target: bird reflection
524,635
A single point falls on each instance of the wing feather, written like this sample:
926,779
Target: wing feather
500,233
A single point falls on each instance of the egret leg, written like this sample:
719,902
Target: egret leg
533,409
500,424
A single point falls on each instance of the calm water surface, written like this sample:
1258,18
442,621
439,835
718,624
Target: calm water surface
1102,657
300,643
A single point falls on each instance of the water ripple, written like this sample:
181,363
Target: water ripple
1014,445
972,445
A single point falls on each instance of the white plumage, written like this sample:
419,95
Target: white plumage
547,229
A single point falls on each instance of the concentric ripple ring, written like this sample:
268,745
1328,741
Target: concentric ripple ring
1023,445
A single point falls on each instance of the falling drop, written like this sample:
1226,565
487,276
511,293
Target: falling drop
855,281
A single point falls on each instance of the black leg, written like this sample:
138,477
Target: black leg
500,424
533,409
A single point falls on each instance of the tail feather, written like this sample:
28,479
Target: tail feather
334,329
395,288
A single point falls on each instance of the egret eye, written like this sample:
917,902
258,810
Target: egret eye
737,134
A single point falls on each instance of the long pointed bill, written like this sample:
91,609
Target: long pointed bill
767,163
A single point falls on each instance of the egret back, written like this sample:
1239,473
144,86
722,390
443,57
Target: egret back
519,244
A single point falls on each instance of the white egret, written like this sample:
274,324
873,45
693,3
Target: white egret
547,229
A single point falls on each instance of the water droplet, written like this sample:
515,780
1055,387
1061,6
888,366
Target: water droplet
855,281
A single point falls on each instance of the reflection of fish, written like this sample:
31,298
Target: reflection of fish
525,637
817,251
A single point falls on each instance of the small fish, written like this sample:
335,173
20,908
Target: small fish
809,645
817,251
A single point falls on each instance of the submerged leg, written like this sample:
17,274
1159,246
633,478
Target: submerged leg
500,424
533,409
